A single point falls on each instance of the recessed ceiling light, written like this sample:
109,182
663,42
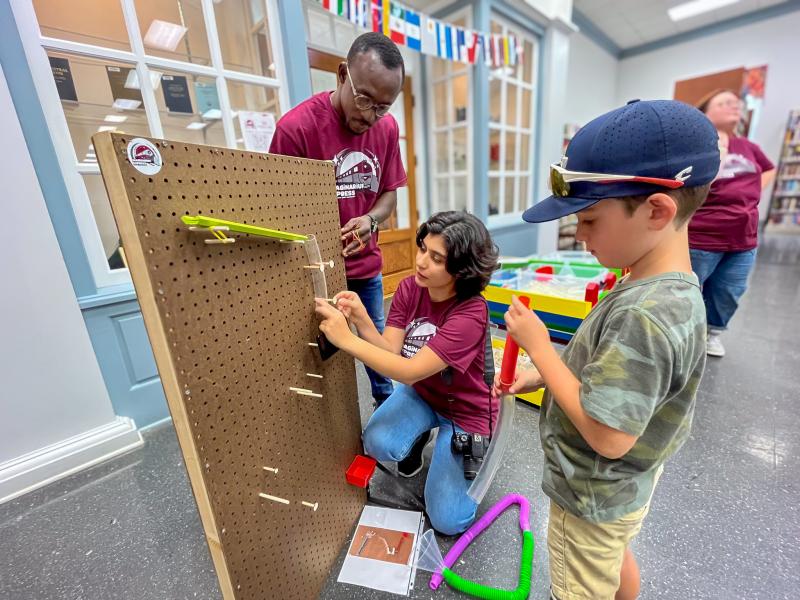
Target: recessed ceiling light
164,35
106,128
212,114
125,104
696,7
196,125
115,119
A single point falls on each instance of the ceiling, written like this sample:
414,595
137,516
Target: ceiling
632,23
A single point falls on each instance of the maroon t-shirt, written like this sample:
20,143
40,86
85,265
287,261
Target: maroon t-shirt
456,332
367,165
728,219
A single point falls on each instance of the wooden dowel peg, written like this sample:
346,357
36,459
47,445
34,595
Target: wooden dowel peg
271,470
273,498
299,390
314,375
314,506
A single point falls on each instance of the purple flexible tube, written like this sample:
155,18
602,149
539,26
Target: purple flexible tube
478,527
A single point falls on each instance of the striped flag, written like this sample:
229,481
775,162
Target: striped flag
331,6
472,46
413,33
461,38
486,45
429,44
512,49
376,15
397,24
386,10
497,52
441,39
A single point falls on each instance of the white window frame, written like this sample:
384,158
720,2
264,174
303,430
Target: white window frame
454,69
36,46
503,218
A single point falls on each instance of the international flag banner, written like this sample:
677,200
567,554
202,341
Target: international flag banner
413,33
429,44
397,24
425,34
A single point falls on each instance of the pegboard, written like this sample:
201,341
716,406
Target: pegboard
230,326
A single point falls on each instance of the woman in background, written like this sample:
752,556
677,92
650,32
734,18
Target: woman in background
723,233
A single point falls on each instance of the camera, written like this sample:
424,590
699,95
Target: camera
473,447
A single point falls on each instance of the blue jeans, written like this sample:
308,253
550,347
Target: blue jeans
723,277
390,434
371,293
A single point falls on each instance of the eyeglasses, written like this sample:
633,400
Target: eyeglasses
560,179
363,102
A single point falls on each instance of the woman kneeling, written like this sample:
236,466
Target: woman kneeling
434,346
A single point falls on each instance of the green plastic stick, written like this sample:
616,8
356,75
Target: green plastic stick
208,222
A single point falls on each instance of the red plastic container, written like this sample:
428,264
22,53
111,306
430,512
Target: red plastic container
360,470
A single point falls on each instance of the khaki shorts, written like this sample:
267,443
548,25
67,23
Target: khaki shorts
586,557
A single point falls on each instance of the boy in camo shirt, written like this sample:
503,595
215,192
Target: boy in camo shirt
620,399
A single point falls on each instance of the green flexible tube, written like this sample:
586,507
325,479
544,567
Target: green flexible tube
489,593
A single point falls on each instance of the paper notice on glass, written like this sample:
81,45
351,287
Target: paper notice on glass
257,130
381,554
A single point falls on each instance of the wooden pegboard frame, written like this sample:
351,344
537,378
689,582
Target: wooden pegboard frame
230,326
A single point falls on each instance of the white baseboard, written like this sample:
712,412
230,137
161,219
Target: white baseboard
51,463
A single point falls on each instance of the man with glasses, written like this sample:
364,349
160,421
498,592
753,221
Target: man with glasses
351,126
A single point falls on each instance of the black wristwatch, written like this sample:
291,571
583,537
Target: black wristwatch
373,223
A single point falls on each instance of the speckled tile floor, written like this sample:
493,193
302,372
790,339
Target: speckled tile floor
725,522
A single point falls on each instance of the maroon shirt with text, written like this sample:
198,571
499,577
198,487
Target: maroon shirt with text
367,165
456,332
728,219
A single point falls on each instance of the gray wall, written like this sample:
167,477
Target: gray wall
52,389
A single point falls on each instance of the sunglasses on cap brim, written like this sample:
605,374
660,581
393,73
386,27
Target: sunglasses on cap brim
560,178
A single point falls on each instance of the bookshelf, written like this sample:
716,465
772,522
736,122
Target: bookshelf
784,207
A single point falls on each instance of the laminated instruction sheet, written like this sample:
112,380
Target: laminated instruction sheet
381,554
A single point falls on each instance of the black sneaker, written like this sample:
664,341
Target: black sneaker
413,463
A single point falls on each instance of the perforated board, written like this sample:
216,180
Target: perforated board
230,326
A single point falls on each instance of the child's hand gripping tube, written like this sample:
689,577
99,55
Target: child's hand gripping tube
505,420
509,366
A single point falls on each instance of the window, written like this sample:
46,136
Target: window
511,132
451,134
160,68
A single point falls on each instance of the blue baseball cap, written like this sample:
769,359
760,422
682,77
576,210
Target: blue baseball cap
662,139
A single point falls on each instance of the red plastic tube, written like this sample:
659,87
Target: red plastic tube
509,366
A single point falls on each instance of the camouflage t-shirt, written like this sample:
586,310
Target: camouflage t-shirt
639,356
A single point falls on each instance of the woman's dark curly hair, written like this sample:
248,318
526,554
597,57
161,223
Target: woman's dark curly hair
471,253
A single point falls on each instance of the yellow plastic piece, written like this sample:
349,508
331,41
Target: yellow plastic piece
549,304
208,222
